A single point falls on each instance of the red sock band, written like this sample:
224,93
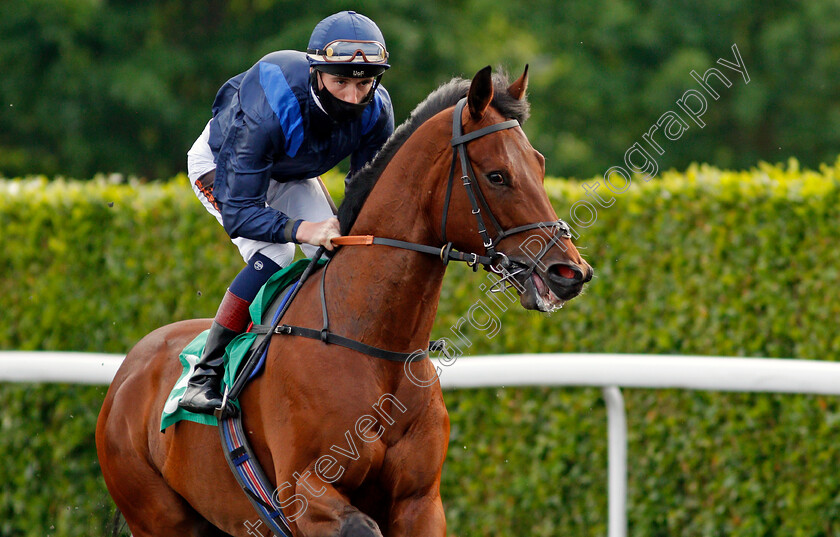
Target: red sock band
233,312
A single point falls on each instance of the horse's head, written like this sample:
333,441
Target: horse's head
499,204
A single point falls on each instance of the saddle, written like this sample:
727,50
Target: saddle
266,305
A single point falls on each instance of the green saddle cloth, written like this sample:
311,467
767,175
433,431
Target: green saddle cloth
236,351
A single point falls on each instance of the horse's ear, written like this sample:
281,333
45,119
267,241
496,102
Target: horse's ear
517,89
480,94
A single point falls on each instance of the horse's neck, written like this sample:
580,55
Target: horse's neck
384,297
390,295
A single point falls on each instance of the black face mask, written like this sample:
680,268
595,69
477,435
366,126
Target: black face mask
339,110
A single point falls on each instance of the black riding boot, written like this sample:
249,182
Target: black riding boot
202,394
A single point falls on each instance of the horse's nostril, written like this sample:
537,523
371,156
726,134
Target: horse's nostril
567,272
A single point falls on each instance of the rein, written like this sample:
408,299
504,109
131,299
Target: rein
495,261
445,253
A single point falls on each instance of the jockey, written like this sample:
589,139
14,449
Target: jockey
275,129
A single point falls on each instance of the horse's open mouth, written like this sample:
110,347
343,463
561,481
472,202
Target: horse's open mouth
538,295
545,290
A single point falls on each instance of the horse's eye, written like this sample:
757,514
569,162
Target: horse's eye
497,178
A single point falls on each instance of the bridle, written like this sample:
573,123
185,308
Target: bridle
493,260
499,261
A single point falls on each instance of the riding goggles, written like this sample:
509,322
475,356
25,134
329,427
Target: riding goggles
348,50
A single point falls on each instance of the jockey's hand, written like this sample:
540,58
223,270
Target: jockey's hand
318,233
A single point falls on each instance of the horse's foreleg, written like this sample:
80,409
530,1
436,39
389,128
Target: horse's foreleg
417,516
412,471
328,513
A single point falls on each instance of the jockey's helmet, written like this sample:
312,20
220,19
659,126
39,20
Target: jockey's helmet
348,44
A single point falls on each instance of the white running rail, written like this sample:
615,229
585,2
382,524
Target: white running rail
608,371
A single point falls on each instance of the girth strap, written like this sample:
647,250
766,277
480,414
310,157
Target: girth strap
251,476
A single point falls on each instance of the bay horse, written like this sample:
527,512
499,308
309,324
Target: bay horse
304,410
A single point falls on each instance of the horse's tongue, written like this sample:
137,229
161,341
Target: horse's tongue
539,284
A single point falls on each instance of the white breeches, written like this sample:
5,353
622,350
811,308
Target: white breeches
298,199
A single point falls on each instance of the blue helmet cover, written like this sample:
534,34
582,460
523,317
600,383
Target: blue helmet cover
344,25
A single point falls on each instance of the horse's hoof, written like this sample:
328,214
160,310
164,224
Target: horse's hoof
359,525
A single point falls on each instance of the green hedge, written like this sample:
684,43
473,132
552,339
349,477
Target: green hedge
701,262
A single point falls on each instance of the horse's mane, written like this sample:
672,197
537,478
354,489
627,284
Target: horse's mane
445,96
